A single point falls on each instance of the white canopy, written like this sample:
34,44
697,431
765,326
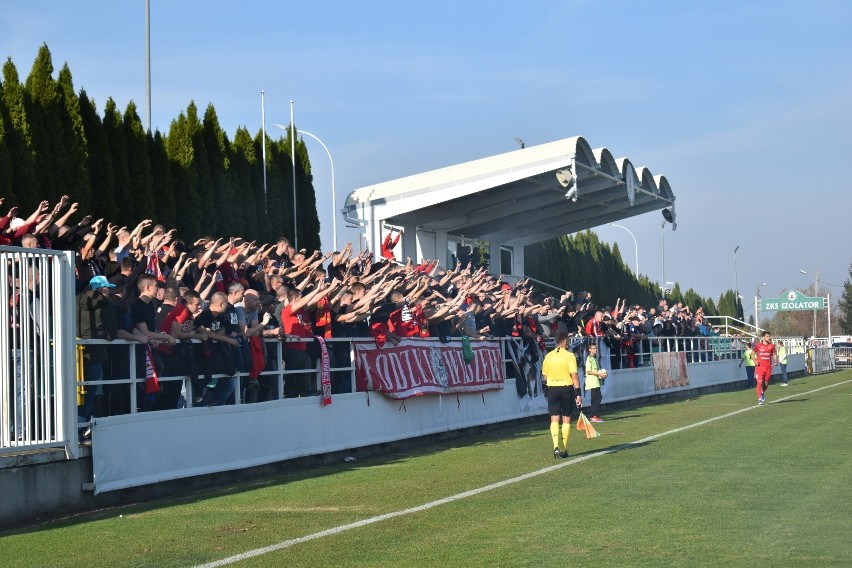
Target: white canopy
509,200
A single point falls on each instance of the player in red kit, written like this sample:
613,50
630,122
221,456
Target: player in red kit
766,357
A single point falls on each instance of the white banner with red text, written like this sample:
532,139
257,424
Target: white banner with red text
417,367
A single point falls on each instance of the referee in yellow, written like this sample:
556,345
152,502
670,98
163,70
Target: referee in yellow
563,392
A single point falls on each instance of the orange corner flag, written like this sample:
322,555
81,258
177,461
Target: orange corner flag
584,424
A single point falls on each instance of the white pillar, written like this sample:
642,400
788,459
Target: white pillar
518,261
441,249
374,233
410,244
494,262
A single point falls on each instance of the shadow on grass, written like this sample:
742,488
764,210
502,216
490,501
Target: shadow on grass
186,491
615,449
614,418
792,400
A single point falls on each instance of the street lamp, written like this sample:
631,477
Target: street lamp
635,245
663,253
293,158
736,284
816,291
333,196
757,307
668,217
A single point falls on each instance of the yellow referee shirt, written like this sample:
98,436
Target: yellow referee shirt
558,366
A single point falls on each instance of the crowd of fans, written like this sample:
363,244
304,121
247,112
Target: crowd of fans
204,308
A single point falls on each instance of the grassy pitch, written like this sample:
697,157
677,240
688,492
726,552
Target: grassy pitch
768,486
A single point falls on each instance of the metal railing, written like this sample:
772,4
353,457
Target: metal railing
636,354
124,391
189,393
842,357
733,327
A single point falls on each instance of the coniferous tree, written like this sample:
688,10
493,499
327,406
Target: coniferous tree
138,165
676,296
19,140
846,305
582,262
73,163
244,165
45,125
222,196
161,179
203,186
117,144
693,300
727,304
101,174
181,153
53,142
280,185
7,189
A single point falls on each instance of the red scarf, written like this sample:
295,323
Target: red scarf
325,372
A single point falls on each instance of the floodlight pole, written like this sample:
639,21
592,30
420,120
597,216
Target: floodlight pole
816,289
293,158
148,64
663,256
263,149
757,306
736,285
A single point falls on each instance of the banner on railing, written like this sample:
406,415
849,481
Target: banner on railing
415,367
670,370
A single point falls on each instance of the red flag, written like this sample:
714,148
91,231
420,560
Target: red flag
153,267
152,381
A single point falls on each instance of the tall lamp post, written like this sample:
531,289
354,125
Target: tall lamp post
635,246
757,306
663,254
668,217
333,195
736,285
293,158
816,292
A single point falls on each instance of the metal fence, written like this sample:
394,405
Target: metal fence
842,357
37,287
129,389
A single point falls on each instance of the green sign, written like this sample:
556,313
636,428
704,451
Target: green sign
792,301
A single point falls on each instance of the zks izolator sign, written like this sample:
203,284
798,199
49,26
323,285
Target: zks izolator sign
791,301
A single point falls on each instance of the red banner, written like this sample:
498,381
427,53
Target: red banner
416,367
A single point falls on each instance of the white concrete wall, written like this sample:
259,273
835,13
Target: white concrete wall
147,448
144,448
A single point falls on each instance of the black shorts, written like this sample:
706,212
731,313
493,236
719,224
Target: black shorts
561,401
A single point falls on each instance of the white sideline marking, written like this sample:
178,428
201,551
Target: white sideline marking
473,492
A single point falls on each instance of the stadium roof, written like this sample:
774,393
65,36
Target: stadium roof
515,198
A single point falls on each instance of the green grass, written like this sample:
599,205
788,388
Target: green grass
766,487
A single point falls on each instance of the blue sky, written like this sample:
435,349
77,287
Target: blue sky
745,106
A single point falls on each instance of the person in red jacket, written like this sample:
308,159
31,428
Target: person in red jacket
389,243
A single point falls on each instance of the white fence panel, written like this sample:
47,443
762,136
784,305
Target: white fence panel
37,405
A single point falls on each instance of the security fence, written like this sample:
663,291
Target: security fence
37,288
